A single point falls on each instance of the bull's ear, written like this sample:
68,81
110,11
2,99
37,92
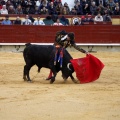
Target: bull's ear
69,66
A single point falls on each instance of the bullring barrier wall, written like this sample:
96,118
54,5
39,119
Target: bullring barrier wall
45,34
86,35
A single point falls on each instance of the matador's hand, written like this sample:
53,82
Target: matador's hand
87,53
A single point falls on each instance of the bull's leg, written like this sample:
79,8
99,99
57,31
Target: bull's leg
54,75
26,72
39,69
73,79
71,76
28,76
65,79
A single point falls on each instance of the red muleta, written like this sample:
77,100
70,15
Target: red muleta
88,69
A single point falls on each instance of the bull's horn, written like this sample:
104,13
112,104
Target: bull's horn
68,66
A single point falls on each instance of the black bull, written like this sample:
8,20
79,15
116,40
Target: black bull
43,56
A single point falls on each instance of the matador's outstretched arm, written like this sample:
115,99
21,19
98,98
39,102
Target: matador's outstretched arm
78,48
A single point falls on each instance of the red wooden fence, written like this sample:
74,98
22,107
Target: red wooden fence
46,34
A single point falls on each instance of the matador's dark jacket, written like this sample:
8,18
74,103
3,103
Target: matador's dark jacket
61,39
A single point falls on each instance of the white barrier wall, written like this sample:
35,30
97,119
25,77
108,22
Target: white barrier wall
90,48
70,3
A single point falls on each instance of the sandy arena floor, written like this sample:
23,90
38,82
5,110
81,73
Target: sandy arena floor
19,100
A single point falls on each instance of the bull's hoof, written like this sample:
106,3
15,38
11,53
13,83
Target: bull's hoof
75,81
24,78
30,81
38,70
52,80
65,80
63,77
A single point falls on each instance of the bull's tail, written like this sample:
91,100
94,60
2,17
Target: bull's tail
26,49
28,44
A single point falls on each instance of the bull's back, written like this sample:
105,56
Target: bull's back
39,54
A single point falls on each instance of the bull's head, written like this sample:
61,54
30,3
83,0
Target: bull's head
67,72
